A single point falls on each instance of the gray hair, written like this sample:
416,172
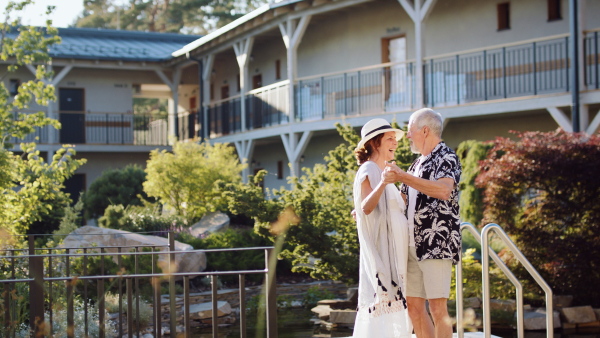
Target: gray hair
430,118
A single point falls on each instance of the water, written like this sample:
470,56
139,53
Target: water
295,323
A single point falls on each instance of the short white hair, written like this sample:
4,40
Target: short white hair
430,118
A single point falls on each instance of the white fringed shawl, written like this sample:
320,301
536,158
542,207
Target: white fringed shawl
383,238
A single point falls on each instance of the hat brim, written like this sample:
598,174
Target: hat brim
399,135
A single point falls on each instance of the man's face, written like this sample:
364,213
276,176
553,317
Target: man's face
416,137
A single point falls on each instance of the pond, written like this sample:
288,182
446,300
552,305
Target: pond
296,323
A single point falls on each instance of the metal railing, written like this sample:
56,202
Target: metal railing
483,239
529,68
47,268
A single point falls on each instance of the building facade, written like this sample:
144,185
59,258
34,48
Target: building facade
274,82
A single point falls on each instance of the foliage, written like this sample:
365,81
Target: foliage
321,239
69,223
115,186
140,219
185,181
145,313
470,153
542,188
177,16
314,294
233,260
28,183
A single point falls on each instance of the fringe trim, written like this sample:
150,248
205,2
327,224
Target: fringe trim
385,306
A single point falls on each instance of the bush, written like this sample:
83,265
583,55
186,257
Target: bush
141,219
233,260
543,189
115,186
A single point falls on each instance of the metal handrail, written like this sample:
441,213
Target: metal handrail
459,286
485,253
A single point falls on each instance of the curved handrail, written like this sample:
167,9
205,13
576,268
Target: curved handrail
459,286
485,253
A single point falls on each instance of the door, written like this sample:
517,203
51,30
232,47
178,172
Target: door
72,115
397,79
74,186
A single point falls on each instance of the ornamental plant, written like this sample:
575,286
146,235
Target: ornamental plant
542,188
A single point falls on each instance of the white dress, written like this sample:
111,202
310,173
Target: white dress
383,238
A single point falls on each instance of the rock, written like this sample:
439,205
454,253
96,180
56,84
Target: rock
342,317
322,311
110,239
536,320
561,301
472,302
503,305
579,314
204,310
352,294
597,312
211,222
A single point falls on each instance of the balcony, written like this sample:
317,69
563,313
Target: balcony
529,68
104,129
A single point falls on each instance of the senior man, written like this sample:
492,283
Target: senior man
430,189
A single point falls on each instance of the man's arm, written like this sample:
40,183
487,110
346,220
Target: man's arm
440,189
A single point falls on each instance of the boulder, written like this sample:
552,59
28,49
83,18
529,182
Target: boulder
322,311
561,301
342,317
337,304
509,305
112,239
472,302
578,315
211,222
536,320
204,310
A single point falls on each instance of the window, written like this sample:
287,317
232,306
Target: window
277,69
504,16
13,86
280,170
554,10
239,83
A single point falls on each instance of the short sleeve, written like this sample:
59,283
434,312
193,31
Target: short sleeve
448,166
371,170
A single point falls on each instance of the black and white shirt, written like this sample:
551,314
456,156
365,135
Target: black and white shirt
437,222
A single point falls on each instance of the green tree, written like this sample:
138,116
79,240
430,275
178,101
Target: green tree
115,186
28,183
176,16
185,180
470,153
543,189
321,239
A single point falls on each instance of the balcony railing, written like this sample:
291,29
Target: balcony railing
522,69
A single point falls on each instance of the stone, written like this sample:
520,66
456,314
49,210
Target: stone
352,294
590,325
211,222
597,312
561,301
110,239
578,314
503,305
472,302
204,310
536,320
342,316
322,311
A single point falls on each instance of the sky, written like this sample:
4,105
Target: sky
64,14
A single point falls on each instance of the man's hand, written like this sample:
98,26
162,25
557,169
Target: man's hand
392,172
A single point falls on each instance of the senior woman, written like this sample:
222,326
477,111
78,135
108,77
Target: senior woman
383,237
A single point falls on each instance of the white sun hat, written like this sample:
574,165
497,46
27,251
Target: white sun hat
375,127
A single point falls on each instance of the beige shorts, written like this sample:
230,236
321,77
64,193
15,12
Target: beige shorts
430,278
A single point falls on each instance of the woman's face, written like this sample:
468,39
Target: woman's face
387,148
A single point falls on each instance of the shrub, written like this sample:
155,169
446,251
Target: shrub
543,189
115,186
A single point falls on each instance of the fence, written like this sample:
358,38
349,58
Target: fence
75,280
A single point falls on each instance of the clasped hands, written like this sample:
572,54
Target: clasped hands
392,173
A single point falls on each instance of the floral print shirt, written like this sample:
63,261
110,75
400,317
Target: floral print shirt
437,222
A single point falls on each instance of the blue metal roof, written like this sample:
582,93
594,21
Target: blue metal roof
108,44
